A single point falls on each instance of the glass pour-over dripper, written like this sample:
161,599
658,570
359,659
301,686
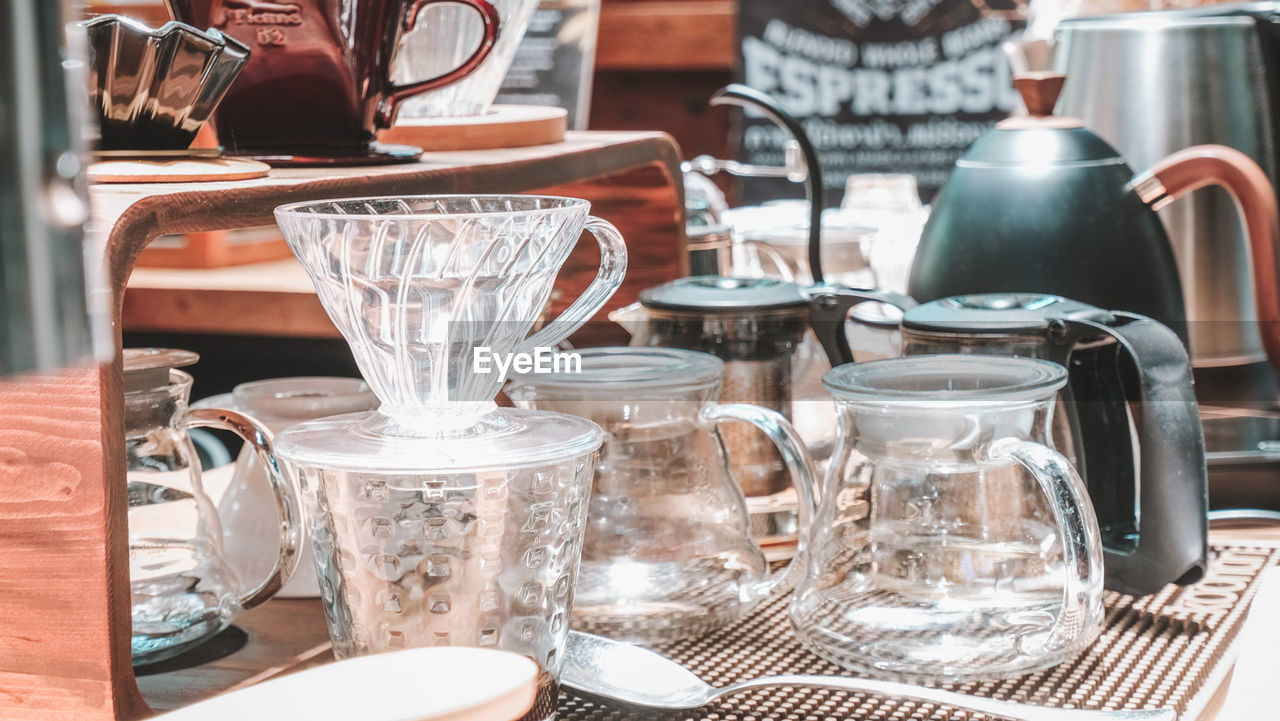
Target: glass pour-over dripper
417,284
441,519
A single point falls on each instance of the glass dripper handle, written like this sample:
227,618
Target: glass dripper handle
799,467
1078,529
284,491
613,266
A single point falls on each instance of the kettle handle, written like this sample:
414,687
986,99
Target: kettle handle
1172,488
1203,165
829,307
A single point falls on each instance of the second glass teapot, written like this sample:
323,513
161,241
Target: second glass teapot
184,589
667,552
952,541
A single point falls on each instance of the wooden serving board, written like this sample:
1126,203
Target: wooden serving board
504,126
175,170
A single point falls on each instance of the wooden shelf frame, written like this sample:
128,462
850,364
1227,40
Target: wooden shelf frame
669,35
64,573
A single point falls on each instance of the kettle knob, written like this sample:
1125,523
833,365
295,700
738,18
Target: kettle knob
1040,91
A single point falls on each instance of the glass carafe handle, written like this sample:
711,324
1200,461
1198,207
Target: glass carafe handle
613,266
285,493
1077,529
799,466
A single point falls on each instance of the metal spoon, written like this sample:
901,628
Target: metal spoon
635,676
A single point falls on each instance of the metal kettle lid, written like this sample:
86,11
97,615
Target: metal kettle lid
994,313
1176,18
1040,146
713,293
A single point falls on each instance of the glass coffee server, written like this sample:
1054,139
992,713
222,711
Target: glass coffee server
668,553
952,542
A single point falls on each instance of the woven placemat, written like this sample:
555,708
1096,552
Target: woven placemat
1168,650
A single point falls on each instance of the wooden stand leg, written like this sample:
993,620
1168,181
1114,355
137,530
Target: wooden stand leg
64,566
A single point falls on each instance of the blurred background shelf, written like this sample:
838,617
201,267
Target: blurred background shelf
638,35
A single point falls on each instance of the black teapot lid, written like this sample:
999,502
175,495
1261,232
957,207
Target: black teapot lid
1040,137
992,313
714,293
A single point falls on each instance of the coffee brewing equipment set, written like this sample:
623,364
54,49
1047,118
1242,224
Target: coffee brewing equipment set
1037,442
440,518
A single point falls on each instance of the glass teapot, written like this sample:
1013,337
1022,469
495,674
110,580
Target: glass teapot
183,589
1146,479
757,327
952,541
668,552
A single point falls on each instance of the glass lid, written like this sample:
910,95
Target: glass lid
148,368
625,368
945,379
376,443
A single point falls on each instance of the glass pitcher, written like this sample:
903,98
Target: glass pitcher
756,327
184,590
247,510
667,552
953,542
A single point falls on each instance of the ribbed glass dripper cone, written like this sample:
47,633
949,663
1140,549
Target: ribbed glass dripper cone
417,284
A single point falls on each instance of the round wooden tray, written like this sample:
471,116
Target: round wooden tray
504,126
175,170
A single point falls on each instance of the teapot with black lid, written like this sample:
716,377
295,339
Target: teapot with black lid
1147,480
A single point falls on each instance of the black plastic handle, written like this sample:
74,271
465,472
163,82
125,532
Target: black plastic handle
829,307
1168,541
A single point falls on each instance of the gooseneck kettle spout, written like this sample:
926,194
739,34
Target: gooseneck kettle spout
746,97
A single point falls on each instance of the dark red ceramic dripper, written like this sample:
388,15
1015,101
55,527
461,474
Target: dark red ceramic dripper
318,83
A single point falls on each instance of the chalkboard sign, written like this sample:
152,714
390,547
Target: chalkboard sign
899,86
554,63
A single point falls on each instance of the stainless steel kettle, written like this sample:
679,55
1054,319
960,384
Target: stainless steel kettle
1154,82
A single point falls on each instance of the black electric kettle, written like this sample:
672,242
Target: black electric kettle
1151,498
1043,205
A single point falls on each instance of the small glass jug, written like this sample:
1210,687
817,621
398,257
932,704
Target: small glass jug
953,542
183,589
667,552
247,509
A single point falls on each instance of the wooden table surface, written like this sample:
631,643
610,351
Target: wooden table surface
287,635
